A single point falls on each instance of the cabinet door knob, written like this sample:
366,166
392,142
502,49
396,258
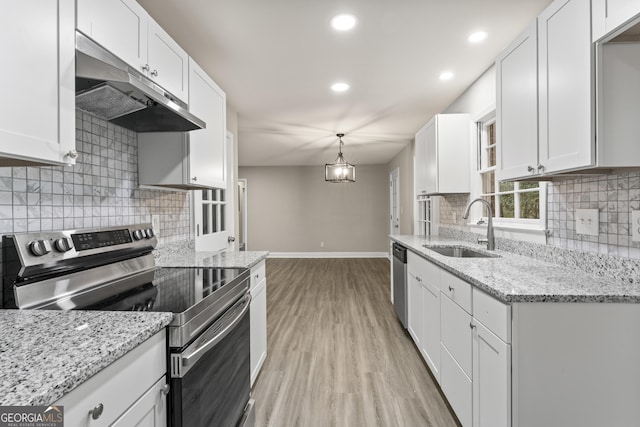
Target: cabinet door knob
146,67
540,168
471,325
72,154
530,168
194,179
450,289
165,389
97,411
154,73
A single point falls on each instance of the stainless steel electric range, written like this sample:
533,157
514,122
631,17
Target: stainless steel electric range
113,269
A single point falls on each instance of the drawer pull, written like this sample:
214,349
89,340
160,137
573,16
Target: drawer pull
97,411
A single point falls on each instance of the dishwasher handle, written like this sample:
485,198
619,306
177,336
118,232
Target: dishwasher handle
400,253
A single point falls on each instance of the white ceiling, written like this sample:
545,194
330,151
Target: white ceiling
277,59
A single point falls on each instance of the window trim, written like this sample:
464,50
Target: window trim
525,226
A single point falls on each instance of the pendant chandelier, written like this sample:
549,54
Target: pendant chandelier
340,170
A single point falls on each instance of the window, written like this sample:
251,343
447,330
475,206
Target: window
515,202
213,211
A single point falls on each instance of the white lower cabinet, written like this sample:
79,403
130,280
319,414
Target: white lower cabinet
258,319
455,356
464,335
132,391
491,361
491,379
424,309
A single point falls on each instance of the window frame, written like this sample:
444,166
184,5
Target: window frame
478,218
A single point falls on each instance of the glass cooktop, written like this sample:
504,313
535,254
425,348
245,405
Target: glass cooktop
173,290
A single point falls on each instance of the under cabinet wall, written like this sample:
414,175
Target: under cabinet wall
100,190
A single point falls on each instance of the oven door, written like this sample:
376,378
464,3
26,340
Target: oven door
210,378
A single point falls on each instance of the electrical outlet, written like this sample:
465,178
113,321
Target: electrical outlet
587,221
322,244
635,226
155,223
455,217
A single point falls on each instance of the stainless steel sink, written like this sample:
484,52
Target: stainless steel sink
460,252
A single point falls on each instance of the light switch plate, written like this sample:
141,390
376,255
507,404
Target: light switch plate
635,226
155,223
587,221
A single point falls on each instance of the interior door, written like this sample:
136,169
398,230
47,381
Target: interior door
214,211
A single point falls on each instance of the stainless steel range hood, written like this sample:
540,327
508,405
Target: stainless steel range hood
109,88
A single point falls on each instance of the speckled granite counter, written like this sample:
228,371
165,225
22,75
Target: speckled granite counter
248,259
46,354
516,278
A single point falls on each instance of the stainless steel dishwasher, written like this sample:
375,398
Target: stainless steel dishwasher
400,282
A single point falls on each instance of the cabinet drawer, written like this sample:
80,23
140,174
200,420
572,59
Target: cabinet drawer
457,289
455,328
117,386
258,272
495,315
428,272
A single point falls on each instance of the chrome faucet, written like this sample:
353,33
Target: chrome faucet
490,240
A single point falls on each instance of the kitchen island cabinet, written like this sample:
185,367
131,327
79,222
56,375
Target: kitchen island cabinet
37,115
49,354
554,338
131,391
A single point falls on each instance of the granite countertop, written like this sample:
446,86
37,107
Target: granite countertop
516,278
236,259
46,354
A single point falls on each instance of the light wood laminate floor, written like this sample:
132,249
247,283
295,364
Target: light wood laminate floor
337,355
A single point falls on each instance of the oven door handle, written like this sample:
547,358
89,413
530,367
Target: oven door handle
225,325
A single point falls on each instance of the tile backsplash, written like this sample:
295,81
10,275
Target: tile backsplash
615,195
100,190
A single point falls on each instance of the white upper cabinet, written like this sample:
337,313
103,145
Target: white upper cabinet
37,114
551,131
566,89
126,29
189,160
610,15
446,150
208,146
419,162
517,106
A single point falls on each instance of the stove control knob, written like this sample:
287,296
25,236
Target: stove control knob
137,235
63,244
149,233
40,247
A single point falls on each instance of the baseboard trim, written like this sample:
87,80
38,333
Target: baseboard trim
328,255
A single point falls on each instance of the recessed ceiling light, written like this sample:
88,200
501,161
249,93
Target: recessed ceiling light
446,75
343,22
340,87
477,37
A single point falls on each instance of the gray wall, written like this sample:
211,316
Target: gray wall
292,209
